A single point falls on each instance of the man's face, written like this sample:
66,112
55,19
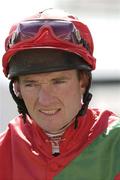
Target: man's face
52,99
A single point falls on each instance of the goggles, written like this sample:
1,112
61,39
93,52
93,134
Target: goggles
64,30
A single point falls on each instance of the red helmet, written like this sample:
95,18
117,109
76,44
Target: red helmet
50,29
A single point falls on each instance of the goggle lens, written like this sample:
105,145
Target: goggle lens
64,30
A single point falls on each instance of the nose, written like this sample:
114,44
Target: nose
46,97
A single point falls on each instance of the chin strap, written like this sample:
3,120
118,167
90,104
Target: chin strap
83,109
20,103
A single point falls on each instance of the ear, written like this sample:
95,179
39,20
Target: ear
17,89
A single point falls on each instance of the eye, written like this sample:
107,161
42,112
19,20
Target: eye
59,81
31,84
28,85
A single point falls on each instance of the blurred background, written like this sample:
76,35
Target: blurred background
103,20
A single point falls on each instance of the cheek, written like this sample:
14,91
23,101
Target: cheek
72,105
72,99
75,98
29,98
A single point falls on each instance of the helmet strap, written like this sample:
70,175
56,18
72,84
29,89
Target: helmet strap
83,109
20,103
86,99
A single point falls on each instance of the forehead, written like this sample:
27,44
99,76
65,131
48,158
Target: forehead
50,75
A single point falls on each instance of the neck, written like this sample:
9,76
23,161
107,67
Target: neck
61,130
55,138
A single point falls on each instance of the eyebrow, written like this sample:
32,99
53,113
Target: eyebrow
60,78
28,81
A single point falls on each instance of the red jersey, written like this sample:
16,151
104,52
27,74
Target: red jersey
90,152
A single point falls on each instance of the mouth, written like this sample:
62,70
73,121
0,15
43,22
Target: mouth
49,112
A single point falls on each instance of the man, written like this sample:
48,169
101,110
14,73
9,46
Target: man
49,59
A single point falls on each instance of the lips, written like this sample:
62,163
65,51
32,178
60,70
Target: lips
49,112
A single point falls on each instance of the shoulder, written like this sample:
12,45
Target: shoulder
105,115
6,147
105,119
13,126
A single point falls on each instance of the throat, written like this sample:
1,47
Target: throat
56,138
55,142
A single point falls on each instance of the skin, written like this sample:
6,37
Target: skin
52,99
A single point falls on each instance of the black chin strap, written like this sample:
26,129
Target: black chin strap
83,109
20,103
